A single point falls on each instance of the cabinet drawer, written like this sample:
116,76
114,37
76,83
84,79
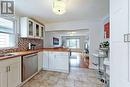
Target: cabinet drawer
8,62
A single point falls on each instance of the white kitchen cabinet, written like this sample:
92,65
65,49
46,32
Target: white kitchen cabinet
14,74
56,61
27,27
61,62
42,31
52,60
40,60
31,28
10,72
119,49
3,76
45,60
37,30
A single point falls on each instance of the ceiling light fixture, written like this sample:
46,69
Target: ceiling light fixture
59,7
71,33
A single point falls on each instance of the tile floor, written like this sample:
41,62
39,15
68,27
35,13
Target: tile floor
78,77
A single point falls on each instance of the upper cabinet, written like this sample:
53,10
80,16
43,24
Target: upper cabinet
42,31
37,30
31,28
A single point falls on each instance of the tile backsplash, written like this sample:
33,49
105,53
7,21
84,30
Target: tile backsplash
23,45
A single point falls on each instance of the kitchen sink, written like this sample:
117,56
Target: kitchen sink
4,55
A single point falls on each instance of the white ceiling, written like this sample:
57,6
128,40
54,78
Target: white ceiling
76,10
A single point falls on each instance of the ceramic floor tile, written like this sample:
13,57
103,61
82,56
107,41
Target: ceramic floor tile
78,77
66,82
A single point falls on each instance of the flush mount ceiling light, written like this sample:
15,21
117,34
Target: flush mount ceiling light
59,7
71,33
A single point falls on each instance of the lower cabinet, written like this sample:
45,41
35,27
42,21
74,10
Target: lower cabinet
45,60
61,63
56,61
51,59
3,77
10,72
40,60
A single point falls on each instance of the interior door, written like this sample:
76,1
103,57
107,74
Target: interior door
119,76
129,43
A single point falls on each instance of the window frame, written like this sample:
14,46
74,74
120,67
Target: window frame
77,47
15,22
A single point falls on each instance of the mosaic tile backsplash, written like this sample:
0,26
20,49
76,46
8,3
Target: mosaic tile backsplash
23,45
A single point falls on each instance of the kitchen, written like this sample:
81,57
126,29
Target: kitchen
45,46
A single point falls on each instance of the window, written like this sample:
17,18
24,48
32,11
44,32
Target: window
73,43
7,33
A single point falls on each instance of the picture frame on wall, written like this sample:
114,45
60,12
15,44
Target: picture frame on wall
107,31
55,41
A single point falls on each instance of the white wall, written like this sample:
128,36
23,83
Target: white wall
93,26
62,36
48,43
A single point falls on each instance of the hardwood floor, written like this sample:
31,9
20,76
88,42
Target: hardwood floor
79,60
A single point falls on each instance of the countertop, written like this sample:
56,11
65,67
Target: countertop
23,53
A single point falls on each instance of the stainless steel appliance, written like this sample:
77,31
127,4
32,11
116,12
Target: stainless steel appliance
29,65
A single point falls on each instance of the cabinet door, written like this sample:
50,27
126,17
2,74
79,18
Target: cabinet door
45,60
30,28
37,30
51,60
3,77
61,62
42,31
14,74
40,60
